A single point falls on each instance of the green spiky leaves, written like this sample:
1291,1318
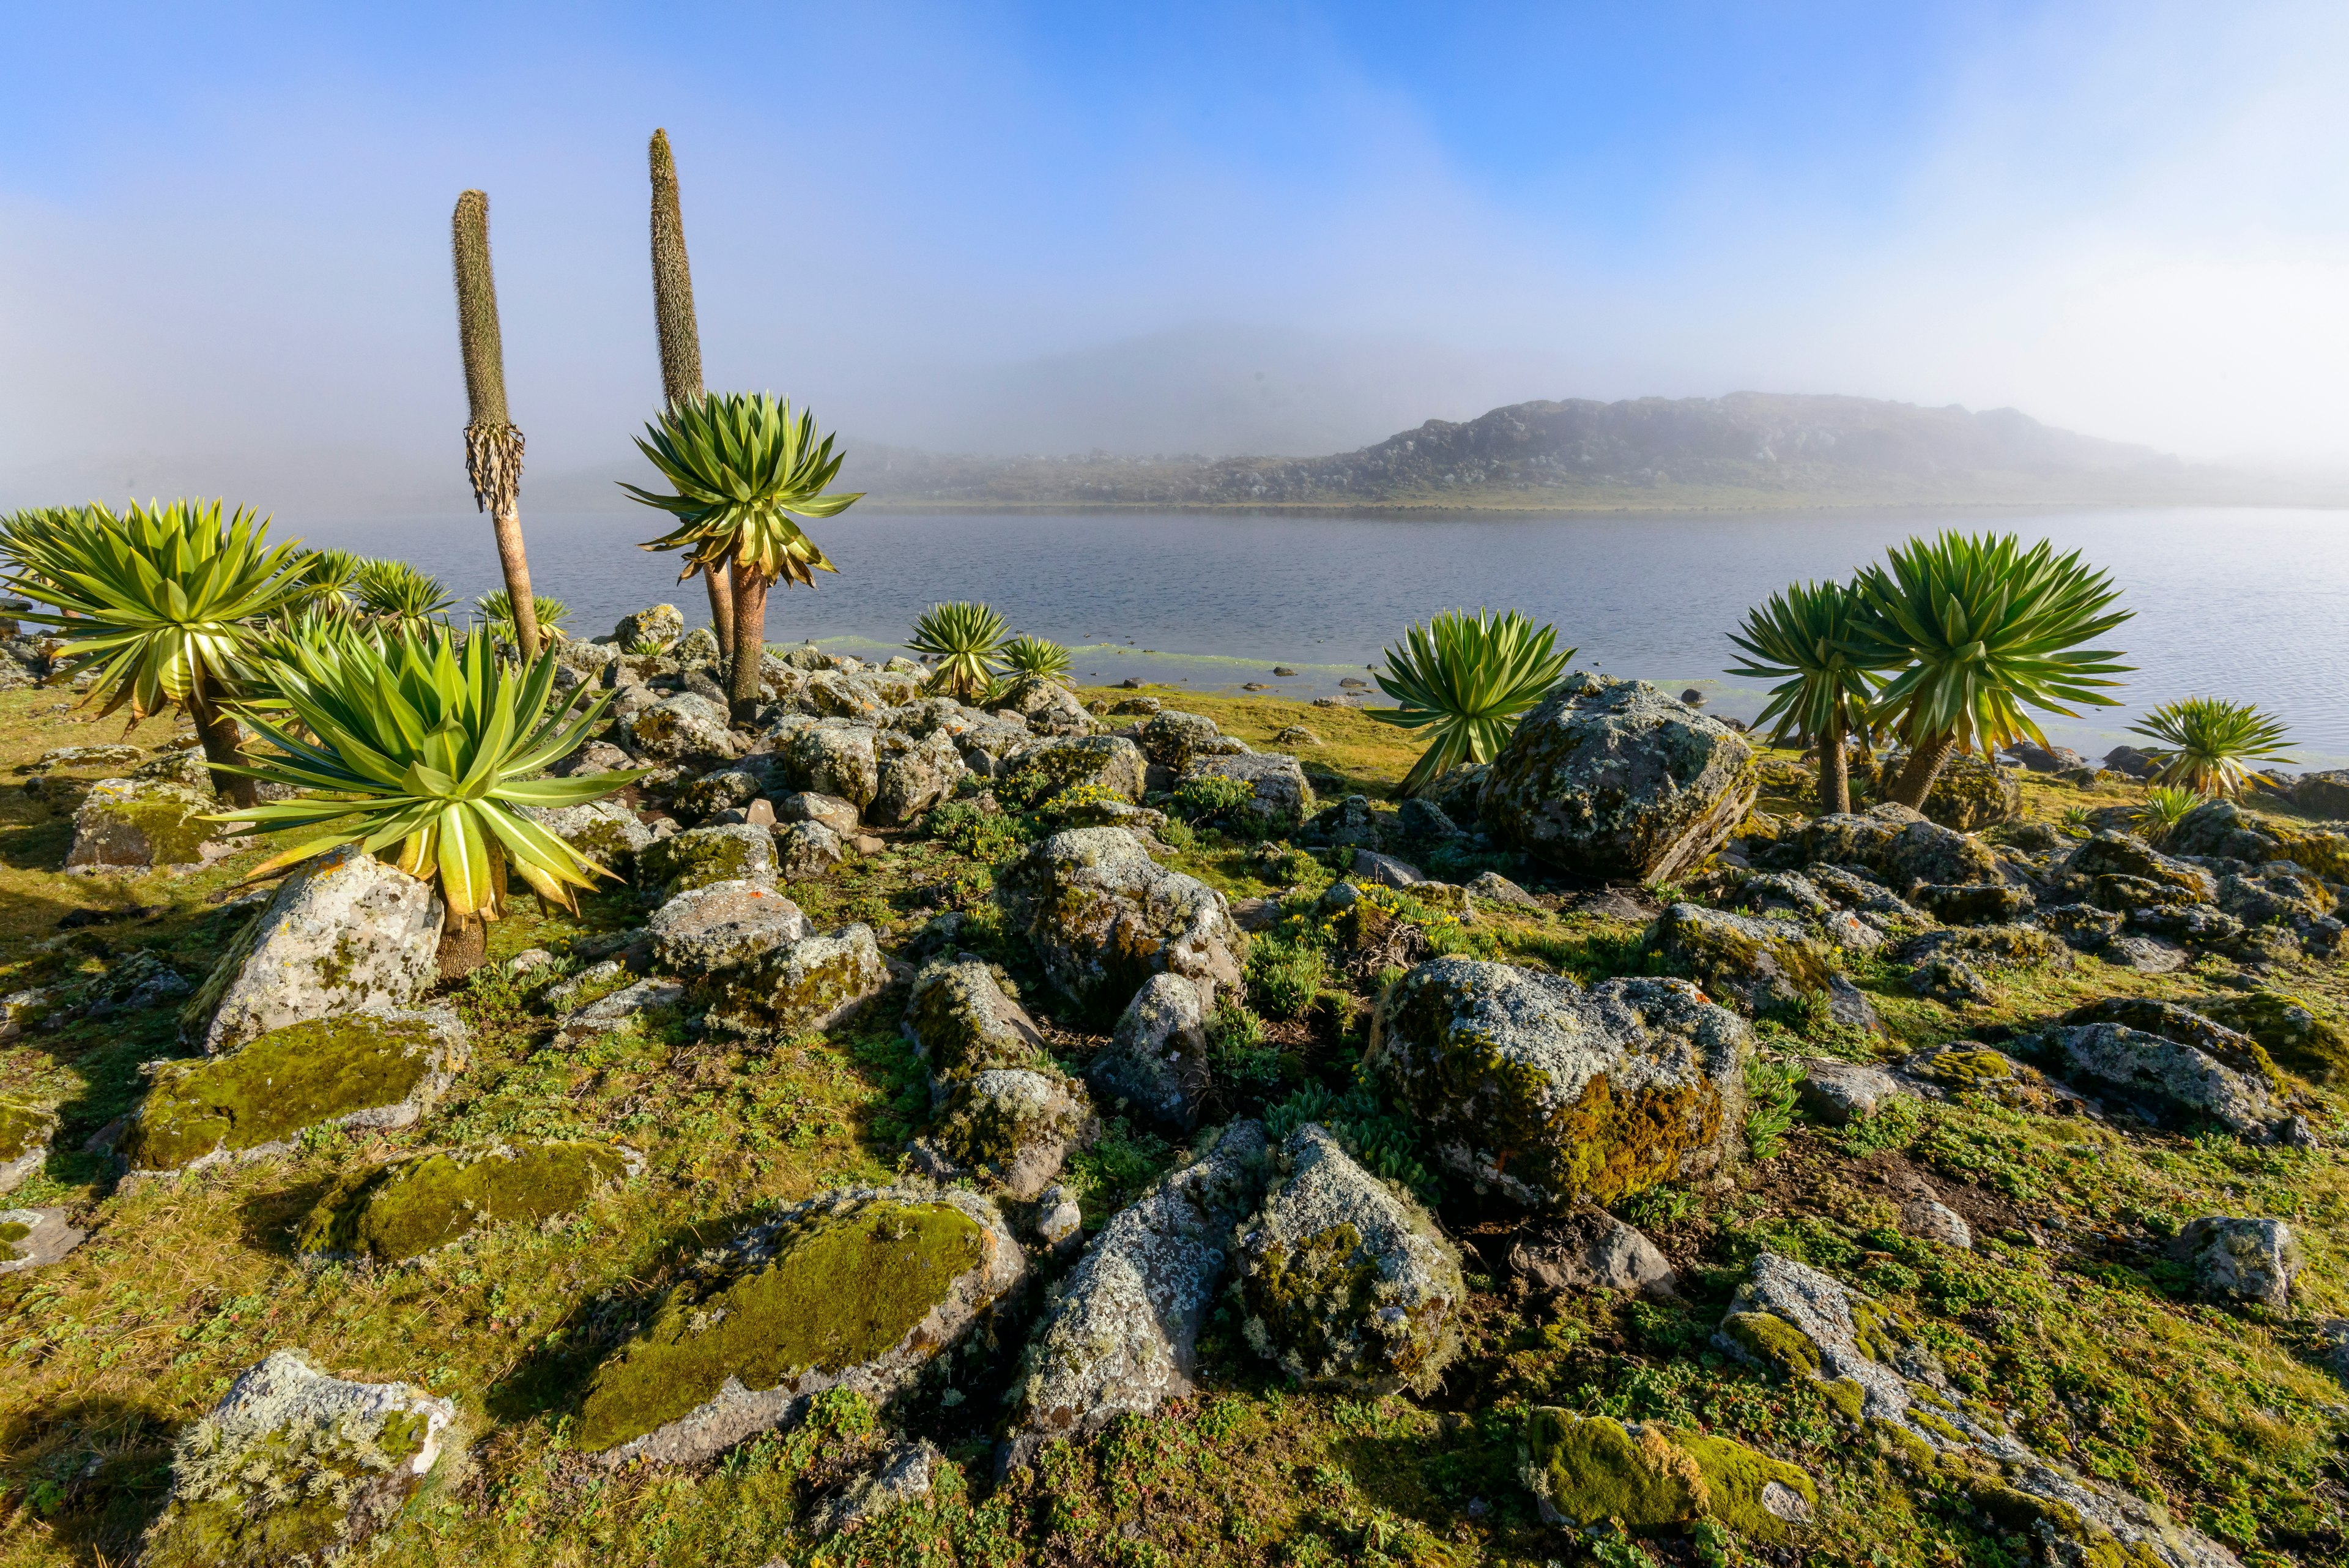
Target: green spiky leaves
1468,678
413,743
164,599
744,469
962,638
1985,628
396,592
2205,744
497,612
1036,658
1802,639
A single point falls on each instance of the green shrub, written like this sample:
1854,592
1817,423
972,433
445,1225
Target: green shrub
989,837
1283,976
1770,1104
1237,1049
1212,799
1386,1144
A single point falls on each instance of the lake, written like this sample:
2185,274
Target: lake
2242,603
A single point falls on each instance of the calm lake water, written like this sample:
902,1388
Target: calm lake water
2243,603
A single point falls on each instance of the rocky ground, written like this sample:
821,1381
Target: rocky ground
1085,1132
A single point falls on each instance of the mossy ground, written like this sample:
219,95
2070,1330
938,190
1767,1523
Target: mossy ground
2069,1316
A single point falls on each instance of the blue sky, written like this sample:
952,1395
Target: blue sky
226,227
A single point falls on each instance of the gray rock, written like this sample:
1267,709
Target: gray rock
1350,823
344,933
656,628
2325,794
1972,903
618,1009
722,791
2083,926
1104,917
1121,1334
1749,963
1425,819
1849,1006
1059,1221
1587,1249
1047,707
912,774
26,1133
138,825
1347,1282
595,757
808,806
681,728
806,850
962,1021
812,984
1841,1092
1156,1061
284,1436
1952,981
1278,781
35,1238
1012,1128
1379,870
2111,853
134,983
714,1336
2241,1261
1929,1220
1788,894
2145,955
834,757
841,694
1111,762
730,852
1494,887
721,924
902,1477
2166,1079
1174,740
1613,778
1526,1084
604,831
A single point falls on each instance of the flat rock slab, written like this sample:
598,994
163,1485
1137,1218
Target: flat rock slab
1587,1249
810,984
1840,1092
722,924
35,1238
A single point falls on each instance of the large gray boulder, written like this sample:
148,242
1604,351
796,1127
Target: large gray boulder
139,824
2169,1062
722,924
1281,793
2242,1262
1896,844
294,1467
1048,766
962,1021
604,831
729,852
834,757
1155,1064
2114,854
911,775
859,1289
1528,1085
1172,739
1615,779
1104,917
1011,1128
681,728
1751,962
809,984
344,932
1348,1283
808,850
1122,1332
1047,707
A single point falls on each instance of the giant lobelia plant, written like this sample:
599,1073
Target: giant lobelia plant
745,470
492,443
2206,744
963,638
407,741
680,347
1802,639
1983,628
1468,678
166,602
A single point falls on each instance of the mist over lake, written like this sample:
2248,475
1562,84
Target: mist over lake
2242,603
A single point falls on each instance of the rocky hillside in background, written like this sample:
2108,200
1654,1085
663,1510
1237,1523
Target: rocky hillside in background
1746,449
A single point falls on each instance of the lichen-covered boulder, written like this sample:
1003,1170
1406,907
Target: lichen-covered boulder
2292,1036
1122,1332
1971,794
604,831
376,1069
345,932
24,1133
295,1469
810,984
912,774
961,1021
1042,768
1155,1064
807,850
729,852
1172,739
2169,1062
138,825
1280,792
1348,1283
1615,779
649,630
1840,1092
2013,946
1104,917
1047,707
1752,963
720,925
1010,1128
683,727
2241,1261
856,1289
835,757
407,1207
2111,853
1529,1084
1898,845
807,805
1587,1249
619,1009
721,791
1585,1470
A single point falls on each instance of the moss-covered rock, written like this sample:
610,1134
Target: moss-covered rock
912,774
962,1021
1104,917
380,1069
137,825
732,852
2292,1036
1752,963
811,984
857,1289
1582,1471
835,757
1526,1084
1615,779
24,1133
405,1207
1010,1128
2111,853
720,925
1036,771
2185,1025
293,1469
604,831
1155,1063
1348,1283
1278,792
1973,793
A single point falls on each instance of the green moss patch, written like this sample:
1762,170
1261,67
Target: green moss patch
23,1129
841,1291
288,1079
399,1210
1652,1477
300,1493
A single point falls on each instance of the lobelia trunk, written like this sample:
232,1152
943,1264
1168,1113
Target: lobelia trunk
751,641
1923,767
223,742
1835,771
516,565
465,938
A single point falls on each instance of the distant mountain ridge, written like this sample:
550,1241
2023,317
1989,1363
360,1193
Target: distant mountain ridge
1746,449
